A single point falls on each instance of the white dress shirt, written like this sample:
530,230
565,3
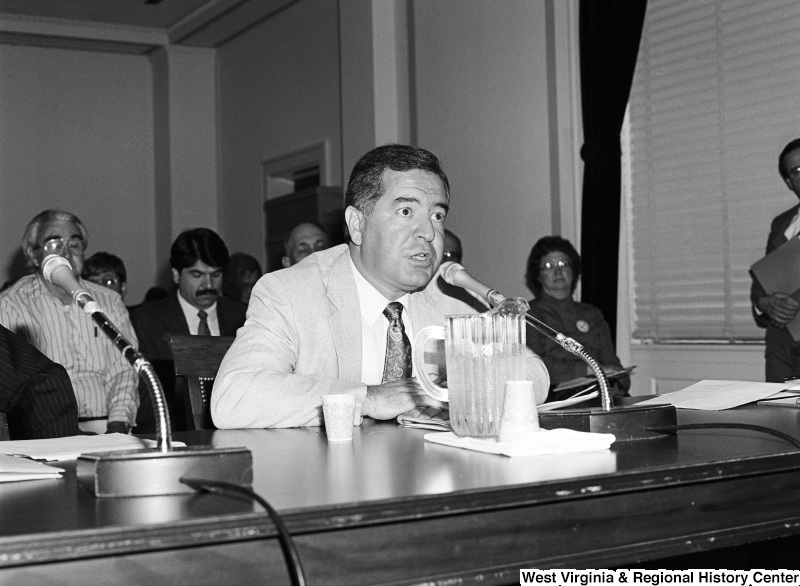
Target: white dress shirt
190,312
374,326
793,229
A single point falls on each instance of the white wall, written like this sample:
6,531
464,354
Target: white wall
482,106
278,93
77,134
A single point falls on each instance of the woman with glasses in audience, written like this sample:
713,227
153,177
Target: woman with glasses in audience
554,267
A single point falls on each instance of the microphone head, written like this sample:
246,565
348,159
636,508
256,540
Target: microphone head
449,270
51,263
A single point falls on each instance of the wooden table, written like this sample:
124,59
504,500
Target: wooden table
390,508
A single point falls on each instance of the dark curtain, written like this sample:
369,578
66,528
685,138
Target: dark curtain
610,31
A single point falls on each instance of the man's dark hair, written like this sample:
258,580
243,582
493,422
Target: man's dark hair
239,265
454,237
104,262
792,146
542,248
198,244
366,180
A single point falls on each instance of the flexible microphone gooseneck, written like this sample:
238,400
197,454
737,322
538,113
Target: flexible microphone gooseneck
454,274
145,472
58,271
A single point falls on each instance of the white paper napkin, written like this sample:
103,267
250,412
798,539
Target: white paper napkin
537,443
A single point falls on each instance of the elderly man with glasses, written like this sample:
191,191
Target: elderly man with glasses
774,309
44,314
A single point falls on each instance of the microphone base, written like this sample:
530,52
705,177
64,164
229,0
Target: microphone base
627,423
151,472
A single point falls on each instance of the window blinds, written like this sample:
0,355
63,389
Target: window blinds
715,97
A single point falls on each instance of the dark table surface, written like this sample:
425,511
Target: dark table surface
388,477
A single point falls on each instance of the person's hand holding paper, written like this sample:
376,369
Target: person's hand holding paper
779,276
780,307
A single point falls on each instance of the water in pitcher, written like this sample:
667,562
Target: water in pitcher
482,353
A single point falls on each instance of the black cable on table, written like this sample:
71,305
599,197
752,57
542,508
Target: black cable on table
293,564
749,426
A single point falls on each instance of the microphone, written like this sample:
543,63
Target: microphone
454,274
57,270
626,422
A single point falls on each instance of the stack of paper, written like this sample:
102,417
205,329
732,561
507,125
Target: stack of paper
13,469
715,395
69,448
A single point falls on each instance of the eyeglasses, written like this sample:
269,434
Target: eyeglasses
794,173
550,267
56,246
451,255
104,281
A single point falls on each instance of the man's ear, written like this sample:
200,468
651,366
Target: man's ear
176,276
31,257
789,184
355,224
286,262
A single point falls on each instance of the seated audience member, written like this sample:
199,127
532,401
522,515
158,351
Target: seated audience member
107,270
342,320
44,314
35,392
454,253
198,258
554,267
452,247
239,277
303,240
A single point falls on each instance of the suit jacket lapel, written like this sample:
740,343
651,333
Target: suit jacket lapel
345,317
778,236
174,319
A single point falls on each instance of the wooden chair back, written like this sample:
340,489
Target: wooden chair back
197,359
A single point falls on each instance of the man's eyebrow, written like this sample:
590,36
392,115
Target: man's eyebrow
405,199
71,237
408,199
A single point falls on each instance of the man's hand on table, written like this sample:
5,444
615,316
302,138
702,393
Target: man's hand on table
388,400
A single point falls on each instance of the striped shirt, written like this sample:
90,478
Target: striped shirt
104,383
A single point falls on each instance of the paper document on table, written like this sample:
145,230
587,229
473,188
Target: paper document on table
787,398
426,418
69,448
579,382
716,395
14,469
578,397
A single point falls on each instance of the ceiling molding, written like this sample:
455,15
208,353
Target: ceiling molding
51,32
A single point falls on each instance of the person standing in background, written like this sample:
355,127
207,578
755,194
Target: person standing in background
774,309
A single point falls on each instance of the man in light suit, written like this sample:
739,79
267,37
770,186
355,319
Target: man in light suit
198,258
774,309
320,326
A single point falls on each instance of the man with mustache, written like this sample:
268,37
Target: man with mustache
198,258
342,320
